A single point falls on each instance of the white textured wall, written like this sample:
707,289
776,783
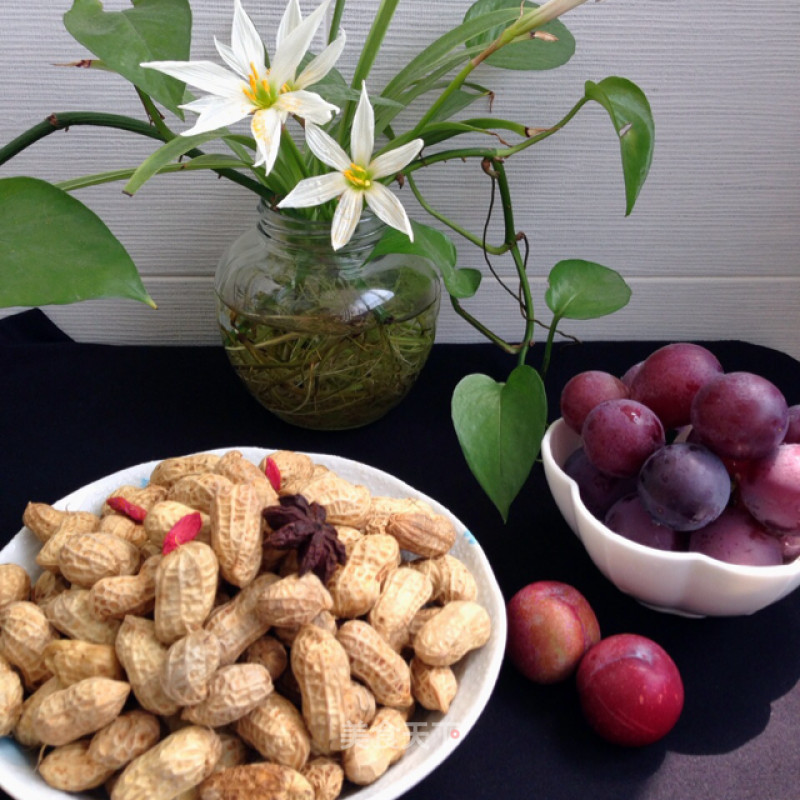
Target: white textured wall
712,249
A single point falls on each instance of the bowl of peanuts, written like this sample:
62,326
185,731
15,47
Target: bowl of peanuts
293,624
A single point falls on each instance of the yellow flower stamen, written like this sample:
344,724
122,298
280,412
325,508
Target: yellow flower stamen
260,93
357,176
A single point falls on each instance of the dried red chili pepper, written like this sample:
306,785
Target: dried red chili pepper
130,510
273,473
184,530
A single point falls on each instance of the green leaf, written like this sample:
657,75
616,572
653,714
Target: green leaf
166,154
500,428
153,30
441,50
630,113
55,250
585,290
460,99
533,54
437,248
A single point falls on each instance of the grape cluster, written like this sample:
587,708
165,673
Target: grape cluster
678,454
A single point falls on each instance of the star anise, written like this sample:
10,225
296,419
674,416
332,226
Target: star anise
296,523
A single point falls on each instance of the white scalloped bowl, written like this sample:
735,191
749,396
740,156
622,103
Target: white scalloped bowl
689,584
433,736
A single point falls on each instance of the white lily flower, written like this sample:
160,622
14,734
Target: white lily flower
356,179
250,88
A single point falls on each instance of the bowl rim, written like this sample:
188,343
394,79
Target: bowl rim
559,428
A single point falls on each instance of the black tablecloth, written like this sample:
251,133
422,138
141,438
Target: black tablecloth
71,413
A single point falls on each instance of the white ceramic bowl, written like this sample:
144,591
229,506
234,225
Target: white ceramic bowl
690,584
433,736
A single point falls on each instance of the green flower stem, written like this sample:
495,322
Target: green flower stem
525,25
369,52
336,20
511,349
125,173
61,121
512,242
156,118
296,161
64,120
495,250
493,153
548,347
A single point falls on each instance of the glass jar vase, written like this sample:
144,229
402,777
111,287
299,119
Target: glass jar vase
322,339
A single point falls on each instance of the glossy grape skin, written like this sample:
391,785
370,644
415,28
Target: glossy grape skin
669,379
584,391
770,489
684,486
740,415
619,435
792,435
735,537
598,491
629,518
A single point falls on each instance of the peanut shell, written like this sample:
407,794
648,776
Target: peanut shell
233,691
15,584
70,768
275,728
186,585
177,763
256,780
83,707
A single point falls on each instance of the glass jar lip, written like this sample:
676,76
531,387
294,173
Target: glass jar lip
275,222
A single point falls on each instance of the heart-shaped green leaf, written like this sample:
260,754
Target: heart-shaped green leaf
585,290
55,250
500,428
633,121
534,54
438,248
152,30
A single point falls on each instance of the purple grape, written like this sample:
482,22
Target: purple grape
740,415
598,491
790,546
793,429
584,391
684,486
629,518
737,538
631,373
669,379
770,489
619,435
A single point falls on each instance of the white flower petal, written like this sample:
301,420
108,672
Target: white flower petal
205,75
230,58
346,217
266,130
292,17
293,47
216,115
394,160
388,209
202,103
320,66
308,105
326,149
362,137
245,41
315,191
